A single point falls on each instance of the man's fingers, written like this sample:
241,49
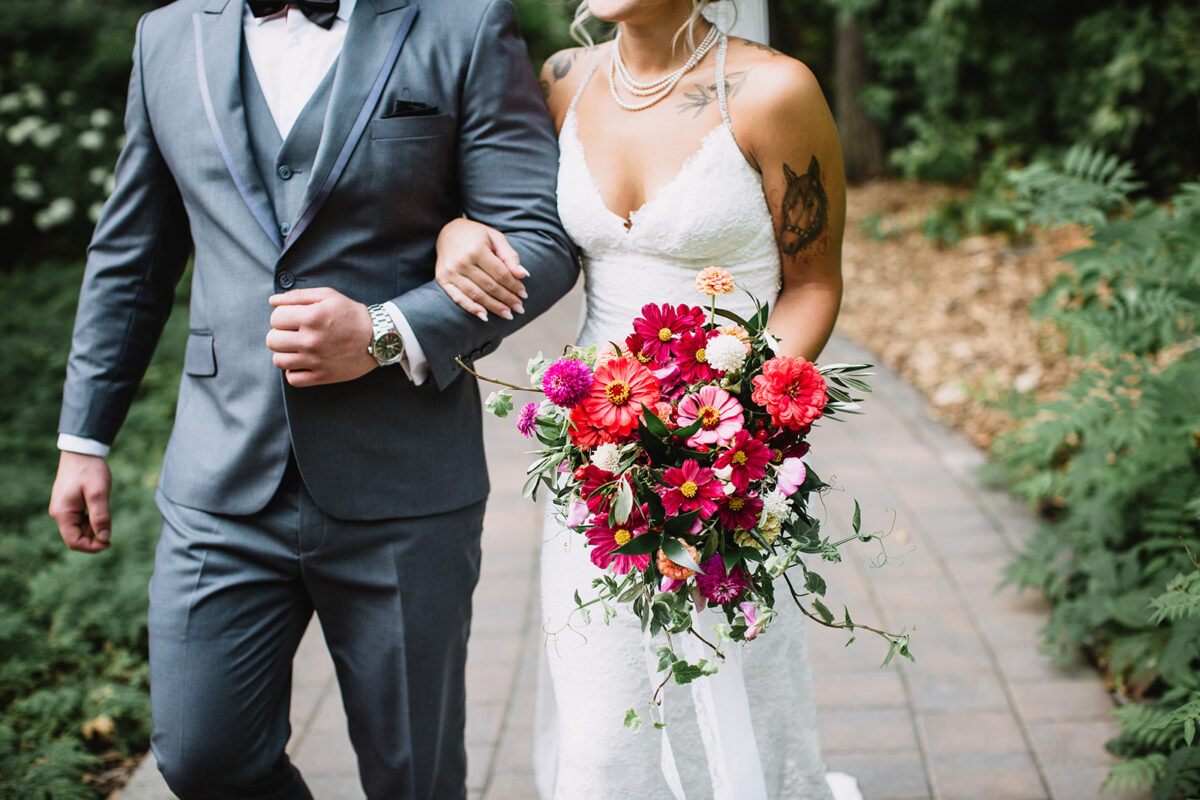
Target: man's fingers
301,297
293,361
285,341
300,378
464,302
288,318
98,516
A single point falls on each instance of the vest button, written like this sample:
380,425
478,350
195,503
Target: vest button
285,229
286,280
284,171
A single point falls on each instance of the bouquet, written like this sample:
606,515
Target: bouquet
681,455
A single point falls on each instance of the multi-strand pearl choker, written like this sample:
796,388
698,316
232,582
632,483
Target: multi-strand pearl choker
654,91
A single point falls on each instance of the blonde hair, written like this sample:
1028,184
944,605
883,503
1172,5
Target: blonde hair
582,14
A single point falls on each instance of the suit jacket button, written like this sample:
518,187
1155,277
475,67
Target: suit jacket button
284,171
286,280
285,229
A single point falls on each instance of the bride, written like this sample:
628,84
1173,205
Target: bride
681,147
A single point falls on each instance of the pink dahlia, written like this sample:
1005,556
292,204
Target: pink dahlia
660,328
720,416
747,458
619,390
566,382
739,512
605,536
689,487
691,359
792,391
716,584
527,421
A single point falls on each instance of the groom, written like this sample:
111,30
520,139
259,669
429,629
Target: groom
308,154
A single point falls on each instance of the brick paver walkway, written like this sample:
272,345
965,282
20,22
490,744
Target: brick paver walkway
981,715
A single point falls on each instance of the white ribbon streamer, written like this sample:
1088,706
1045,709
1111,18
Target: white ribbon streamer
670,770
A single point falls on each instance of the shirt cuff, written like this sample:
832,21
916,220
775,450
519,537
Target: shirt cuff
78,444
413,362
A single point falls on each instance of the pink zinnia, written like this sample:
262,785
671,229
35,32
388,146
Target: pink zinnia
747,458
792,391
719,414
566,382
593,480
690,357
739,512
717,585
605,536
619,390
690,487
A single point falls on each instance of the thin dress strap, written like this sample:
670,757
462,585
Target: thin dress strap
721,99
583,83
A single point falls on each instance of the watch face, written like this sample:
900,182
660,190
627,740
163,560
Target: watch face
388,347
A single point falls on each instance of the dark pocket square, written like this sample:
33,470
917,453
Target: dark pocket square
410,108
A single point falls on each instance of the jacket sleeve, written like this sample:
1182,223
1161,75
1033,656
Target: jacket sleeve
508,168
137,255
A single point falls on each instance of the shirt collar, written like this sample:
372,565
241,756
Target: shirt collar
345,9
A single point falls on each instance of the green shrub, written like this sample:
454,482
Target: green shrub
1115,460
72,626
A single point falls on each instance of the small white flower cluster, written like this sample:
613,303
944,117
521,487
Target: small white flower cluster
726,353
607,457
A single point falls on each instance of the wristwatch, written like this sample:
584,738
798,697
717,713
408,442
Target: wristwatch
386,345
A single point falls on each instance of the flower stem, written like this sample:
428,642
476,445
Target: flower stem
497,381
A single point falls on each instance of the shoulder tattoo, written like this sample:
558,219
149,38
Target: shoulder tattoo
766,48
805,209
561,63
705,95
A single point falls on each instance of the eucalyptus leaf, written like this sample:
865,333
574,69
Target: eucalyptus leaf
675,551
622,503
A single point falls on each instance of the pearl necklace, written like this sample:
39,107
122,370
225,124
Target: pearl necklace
654,90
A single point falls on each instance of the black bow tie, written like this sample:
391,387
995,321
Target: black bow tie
322,12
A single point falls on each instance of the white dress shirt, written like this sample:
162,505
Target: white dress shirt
291,56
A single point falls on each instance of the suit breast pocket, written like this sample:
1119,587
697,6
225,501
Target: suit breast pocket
412,127
200,358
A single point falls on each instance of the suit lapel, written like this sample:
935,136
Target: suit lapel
376,32
218,32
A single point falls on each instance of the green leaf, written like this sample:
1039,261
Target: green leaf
633,721
856,520
640,545
500,403
652,423
622,503
680,525
666,657
825,613
814,583
729,315
675,551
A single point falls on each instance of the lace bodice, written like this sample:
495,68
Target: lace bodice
712,212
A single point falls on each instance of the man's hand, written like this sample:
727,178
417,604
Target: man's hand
320,336
79,502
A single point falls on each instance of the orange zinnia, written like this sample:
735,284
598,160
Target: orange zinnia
619,390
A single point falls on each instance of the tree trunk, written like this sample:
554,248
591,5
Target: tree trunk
862,140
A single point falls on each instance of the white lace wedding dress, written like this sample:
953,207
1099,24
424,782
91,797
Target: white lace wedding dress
712,212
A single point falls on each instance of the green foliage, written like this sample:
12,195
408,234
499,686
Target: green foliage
72,626
545,25
1115,459
64,68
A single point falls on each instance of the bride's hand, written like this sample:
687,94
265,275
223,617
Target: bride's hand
479,269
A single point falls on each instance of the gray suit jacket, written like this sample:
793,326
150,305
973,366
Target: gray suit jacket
380,190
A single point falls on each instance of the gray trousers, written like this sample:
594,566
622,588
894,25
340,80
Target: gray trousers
231,597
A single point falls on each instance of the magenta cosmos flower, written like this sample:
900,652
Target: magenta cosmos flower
605,536
718,585
691,359
660,327
719,414
738,512
689,487
567,382
747,458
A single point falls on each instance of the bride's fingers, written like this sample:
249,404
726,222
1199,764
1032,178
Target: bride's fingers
500,272
463,302
506,253
485,279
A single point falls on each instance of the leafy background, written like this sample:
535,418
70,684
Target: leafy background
1050,114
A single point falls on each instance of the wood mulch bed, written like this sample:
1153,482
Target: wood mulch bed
953,321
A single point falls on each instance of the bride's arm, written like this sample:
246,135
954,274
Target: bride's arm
784,124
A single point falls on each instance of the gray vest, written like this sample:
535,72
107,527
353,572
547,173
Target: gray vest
284,165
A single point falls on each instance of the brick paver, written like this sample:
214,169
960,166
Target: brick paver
981,715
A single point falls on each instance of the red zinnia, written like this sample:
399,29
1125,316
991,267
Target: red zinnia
738,512
620,389
660,328
792,391
690,487
585,432
747,457
605,536
690,358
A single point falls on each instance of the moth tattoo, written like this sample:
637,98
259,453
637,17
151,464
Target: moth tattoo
805,209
